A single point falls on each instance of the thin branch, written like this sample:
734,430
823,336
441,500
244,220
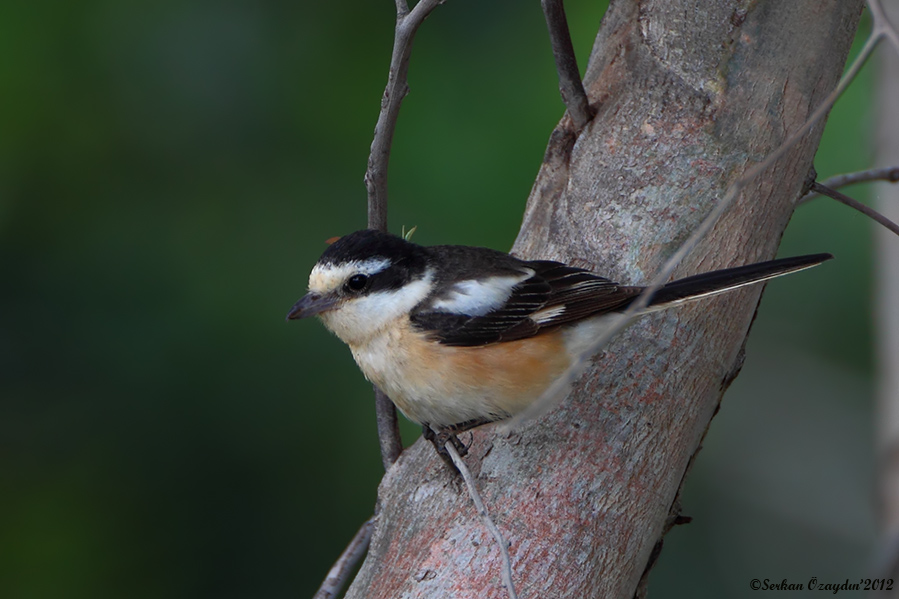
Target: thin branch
852,203
485,518
388,429
882,26
407,23
560,386
890,174
570,84
343,567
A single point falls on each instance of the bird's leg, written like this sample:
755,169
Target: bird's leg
439,439
447,434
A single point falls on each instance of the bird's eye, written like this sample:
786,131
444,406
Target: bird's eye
356,283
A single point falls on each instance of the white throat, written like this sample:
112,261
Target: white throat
356,320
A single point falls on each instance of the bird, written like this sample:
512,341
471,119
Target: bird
461,336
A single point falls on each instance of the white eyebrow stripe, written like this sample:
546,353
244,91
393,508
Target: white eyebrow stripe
326,277
477,297
370,266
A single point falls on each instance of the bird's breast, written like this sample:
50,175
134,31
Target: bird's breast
444,385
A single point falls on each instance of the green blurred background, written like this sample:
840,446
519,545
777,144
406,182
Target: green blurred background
169,172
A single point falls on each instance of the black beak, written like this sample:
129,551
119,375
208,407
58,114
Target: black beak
311,304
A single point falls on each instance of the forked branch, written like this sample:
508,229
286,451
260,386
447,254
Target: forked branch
882,26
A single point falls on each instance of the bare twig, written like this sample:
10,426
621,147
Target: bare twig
852,203
570,85
882,26
388,429
890,174
485,518
343,567
560,386
407,23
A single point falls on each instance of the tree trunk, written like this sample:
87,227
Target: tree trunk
689,94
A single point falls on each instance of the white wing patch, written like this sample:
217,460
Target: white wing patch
547,314
477,297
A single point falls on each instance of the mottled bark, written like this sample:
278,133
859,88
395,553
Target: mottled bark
688,94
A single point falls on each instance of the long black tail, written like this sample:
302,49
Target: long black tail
719,281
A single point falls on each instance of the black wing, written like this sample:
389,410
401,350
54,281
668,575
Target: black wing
555,294
550,294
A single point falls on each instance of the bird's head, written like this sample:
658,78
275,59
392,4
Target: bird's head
364,281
